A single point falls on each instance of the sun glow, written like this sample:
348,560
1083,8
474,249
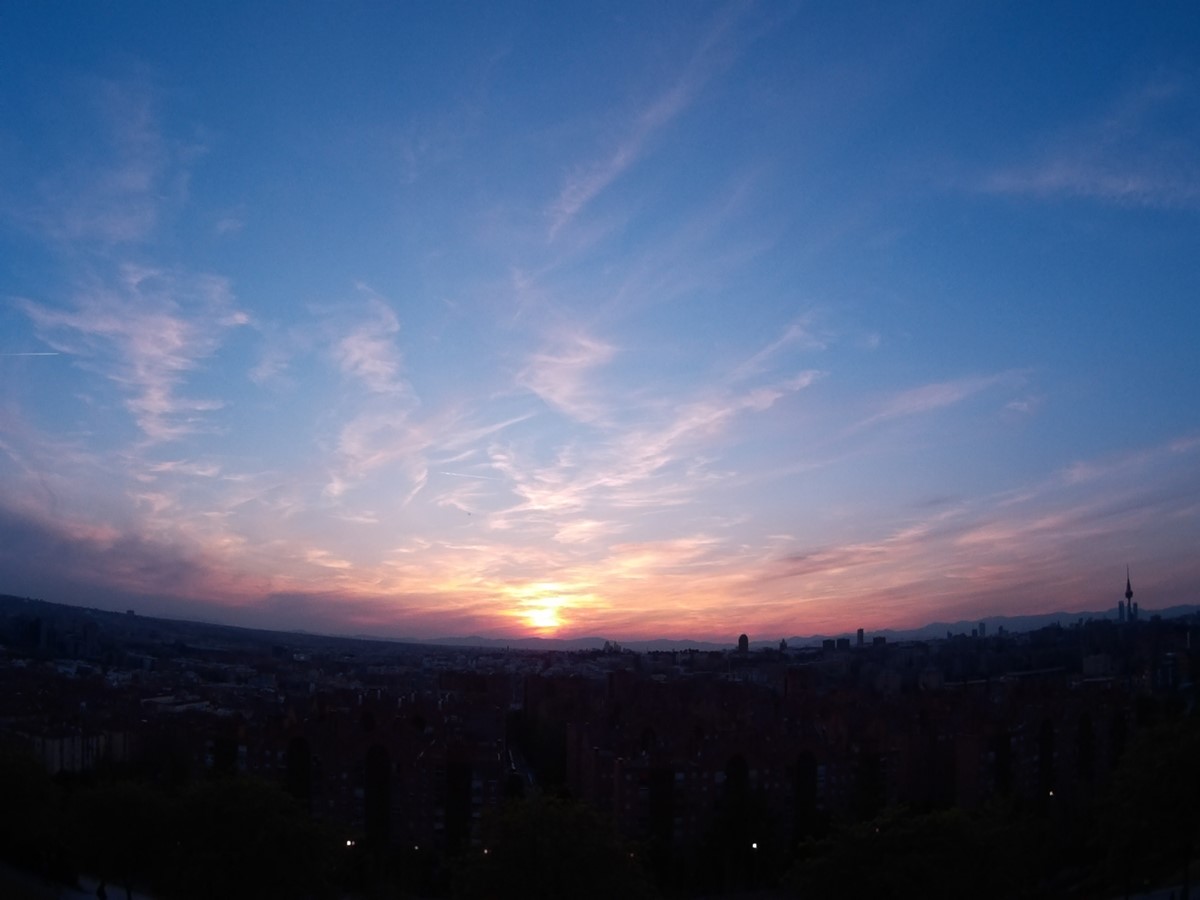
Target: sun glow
543,618
541,605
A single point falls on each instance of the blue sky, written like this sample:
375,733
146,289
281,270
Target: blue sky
627,320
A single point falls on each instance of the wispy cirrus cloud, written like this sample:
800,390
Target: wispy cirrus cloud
798,333
583,186
938,395
1142,152
721,42
387,441
655,558
113,188
1049,542
44,471
559,375
1130,184
230,222
189,468
1084,471
647,453
371,441
144,328
662,458
279,349
584,531
646,450
318,557
369,352
145,331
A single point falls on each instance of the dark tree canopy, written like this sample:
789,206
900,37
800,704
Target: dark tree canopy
542,847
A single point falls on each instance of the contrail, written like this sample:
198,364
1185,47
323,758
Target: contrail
464,475
34,353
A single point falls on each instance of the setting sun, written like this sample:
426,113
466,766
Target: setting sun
544,619
540,604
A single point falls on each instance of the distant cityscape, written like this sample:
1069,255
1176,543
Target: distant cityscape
411,747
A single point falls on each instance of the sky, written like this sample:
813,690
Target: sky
631,320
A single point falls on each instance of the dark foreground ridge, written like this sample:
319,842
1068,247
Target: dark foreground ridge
178,759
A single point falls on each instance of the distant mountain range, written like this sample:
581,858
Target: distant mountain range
1011,624
10,604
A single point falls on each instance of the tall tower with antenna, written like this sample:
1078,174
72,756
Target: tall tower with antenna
1129,604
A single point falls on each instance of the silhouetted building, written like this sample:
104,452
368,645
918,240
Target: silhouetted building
743,644
861,637
1130,607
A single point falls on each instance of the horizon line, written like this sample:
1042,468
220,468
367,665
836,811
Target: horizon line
478,640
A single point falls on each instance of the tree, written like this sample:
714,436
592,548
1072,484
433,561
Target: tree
937,855
33,824
124,832
243,838
1149,822
542,847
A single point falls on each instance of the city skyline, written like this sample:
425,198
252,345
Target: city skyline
633,322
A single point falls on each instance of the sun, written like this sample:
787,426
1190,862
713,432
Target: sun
545,607
539,604
543,618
